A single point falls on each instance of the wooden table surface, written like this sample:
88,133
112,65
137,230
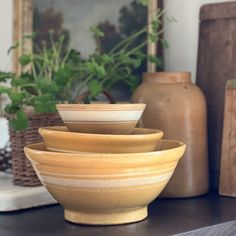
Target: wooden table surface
209,215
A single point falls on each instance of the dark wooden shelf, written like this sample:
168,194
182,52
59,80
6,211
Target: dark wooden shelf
210,214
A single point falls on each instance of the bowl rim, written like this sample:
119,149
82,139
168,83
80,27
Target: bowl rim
31,147
102,107
53,130
38,154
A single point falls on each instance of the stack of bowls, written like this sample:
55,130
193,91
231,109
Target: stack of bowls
100,167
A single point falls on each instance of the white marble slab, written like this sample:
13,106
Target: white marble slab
13,197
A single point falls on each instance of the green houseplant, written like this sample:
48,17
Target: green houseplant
48,80
59,75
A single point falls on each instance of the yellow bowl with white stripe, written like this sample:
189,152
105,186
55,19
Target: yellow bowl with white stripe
104,189
101,118
59,139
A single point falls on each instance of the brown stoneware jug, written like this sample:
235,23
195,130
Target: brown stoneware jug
177,106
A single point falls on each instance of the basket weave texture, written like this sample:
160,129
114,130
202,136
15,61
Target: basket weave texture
23,171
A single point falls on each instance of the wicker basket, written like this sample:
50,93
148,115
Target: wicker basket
23,172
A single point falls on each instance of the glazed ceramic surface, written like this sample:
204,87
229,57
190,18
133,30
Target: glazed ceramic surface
178,107
58,138
101,118
105,188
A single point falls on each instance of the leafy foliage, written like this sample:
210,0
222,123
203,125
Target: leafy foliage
101,71
143,2
57,74
48,82
20,122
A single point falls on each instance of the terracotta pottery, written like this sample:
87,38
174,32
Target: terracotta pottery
105,188
58,138
177,106
101,118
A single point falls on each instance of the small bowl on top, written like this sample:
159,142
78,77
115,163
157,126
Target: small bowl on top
101,118
59,139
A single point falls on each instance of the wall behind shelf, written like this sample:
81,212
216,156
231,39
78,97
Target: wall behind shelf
182,36
6,26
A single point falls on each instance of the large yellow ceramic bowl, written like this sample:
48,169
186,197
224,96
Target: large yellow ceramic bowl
101,118
105,188
58,138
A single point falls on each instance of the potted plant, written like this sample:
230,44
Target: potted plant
56,74
47,78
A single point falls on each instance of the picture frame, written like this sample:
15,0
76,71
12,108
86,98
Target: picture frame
23,25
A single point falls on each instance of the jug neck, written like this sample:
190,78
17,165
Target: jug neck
166,77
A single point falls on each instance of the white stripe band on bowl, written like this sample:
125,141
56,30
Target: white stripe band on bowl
100,115
106,183
154,173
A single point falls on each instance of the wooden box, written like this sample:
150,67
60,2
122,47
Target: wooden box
216,64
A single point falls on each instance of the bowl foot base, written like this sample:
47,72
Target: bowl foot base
107,218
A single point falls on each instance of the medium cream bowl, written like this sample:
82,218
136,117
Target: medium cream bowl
58,138
105,189
101,118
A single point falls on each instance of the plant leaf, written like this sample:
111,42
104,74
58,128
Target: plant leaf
48,87
12,108
153,37
4,90
135,80
158,61
44,103
155,24
97,32
171,19
15,46
74,57
95,69
19,122
25,59
19,82
143,2
17,97
164,43
95,88
4,76
136,62
106,58
63,75
30,36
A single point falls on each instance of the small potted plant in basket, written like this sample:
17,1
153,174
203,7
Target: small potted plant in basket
59,75
48,80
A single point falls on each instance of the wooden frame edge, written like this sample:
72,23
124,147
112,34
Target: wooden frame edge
22,26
